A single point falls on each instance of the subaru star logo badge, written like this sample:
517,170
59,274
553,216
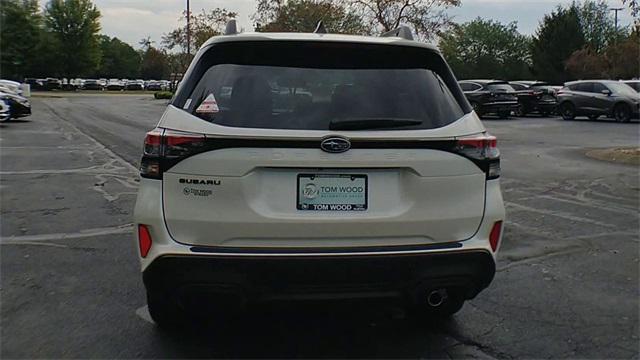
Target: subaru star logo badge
335,145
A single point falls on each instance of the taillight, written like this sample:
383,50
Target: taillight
494,236
144,240
164,148
483,150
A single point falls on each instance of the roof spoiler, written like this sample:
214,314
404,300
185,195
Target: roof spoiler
231,28
402,31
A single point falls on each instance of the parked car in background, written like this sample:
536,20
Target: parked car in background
103,82
53,84
79,83
35,84
534,96
5,110
595,98
13,86
635,84
134,85
115,85
490,97
92,84
69,85
154,86
19,106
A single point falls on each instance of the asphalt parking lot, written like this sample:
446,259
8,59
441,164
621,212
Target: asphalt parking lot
567,284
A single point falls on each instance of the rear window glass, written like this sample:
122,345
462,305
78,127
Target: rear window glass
281,93
623,89
500,87
634,85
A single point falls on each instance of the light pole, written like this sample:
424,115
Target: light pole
189,28
616,11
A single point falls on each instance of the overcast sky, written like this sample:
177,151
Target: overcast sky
132,20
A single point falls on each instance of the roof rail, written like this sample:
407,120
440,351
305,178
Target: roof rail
320,29
231,28
402,31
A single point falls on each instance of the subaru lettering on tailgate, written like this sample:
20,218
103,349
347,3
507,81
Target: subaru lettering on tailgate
332,192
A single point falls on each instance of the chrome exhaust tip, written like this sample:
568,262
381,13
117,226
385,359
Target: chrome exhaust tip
437,297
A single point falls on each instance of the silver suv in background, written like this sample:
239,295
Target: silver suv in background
635,84
595,98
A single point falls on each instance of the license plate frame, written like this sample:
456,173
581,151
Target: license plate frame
318,194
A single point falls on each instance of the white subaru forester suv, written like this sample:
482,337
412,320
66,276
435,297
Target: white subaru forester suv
314,166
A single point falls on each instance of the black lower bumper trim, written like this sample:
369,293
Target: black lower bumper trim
360,249
264,278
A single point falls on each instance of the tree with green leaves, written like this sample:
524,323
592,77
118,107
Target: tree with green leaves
428,18
119,59
20,21
203,26
598,26
75,24
154,64
486,49
558,36
47,62
303,16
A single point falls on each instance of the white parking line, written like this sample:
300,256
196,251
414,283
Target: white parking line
120,229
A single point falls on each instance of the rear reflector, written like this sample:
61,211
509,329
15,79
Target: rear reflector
494,237
144,240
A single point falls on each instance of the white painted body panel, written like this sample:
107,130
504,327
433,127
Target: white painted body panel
149,211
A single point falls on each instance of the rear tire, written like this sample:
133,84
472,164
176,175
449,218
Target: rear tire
164,312
622,113
568,111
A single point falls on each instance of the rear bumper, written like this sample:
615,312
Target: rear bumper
242,280
499,106
547,106
18,110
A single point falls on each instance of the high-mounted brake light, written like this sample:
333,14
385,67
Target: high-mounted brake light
163,148
484,149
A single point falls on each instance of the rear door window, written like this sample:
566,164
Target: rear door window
598,88
584,87
315,88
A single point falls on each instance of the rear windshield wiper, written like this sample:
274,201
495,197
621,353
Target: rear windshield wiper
371,123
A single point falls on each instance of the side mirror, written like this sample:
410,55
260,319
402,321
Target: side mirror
606,92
